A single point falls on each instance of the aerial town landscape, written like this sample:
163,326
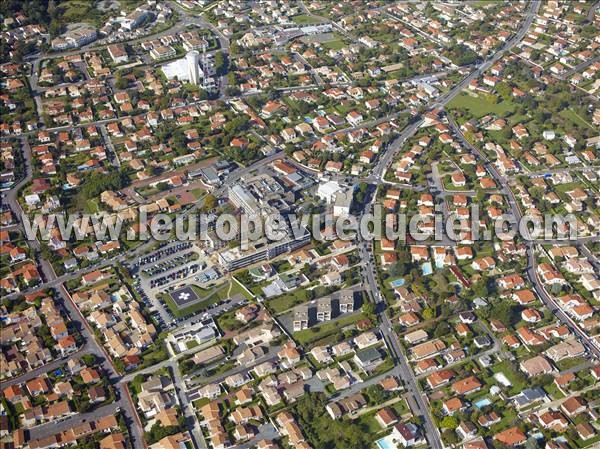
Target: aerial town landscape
478,120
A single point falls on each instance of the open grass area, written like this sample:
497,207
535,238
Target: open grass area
316,333
517,380
368,421
288,300
304,19
576,119
91,206
553,391
480,105
335,44
570,363
75,11
198,192
400,407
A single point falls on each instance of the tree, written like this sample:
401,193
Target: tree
376,394
158,432
322,432
210,202
503,311
441,329
398,268
221,63
121,83
504,90
96,183
441,283
428,313
450,436
480,288
449,422
88,359
368,309
361,193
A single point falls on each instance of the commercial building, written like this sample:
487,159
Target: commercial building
235,258
242,199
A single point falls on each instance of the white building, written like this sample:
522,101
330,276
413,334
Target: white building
194,68
328,190
192,59
343,203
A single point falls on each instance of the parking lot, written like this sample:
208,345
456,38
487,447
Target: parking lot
163,253
171,268
173,275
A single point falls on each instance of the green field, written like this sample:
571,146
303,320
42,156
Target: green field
304,19
316,333
480,106
198,192
573,117
334,44
288,300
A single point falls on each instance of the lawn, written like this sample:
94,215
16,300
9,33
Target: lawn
75,11
316,333
304,19
516,379
553,391
573,117
387,365
198,192
480,106
570,363
335,44
400,407
369,422
91,206
288,300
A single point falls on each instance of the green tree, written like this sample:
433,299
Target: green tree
210,202
375,394
450,436
221,63
441,329
449,422
121,82
368,309
428,313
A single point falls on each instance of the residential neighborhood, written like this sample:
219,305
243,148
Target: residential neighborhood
138,308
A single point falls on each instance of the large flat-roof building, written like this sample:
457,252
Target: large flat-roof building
243,199
262,249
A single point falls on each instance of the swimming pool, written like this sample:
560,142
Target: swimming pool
482,403
426,268
386,443
397,282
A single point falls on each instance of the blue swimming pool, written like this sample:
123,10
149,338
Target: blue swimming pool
397,282
482,403
426,268
386,443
